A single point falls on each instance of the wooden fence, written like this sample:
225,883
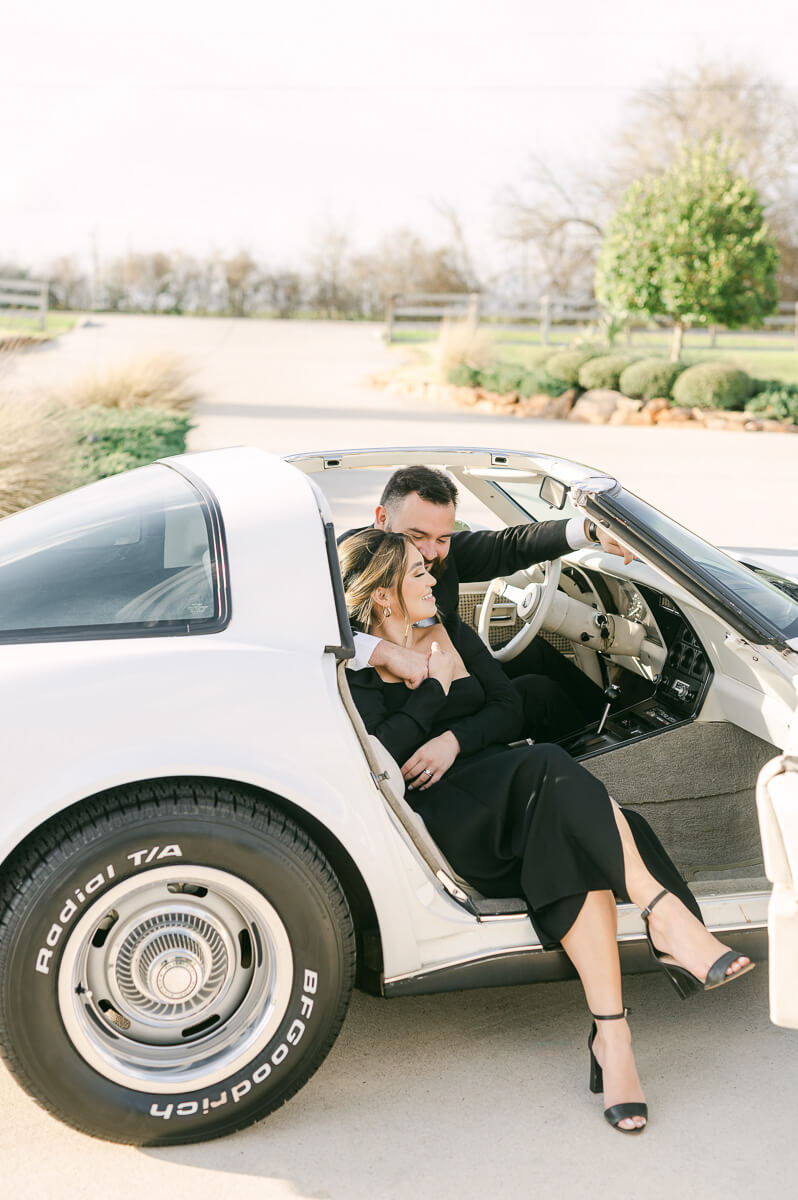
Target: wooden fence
19,296
422,309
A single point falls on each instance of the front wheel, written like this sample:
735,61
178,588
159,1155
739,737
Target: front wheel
176,961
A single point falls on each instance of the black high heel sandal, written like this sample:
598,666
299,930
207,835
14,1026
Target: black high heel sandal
617,1112
685,982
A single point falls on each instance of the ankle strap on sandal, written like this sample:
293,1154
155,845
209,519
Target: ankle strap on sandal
612,1017
645,913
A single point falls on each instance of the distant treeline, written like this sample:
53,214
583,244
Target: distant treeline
336,283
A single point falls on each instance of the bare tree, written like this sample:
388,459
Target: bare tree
557,226
558,221
330,277
243,280
459,255
403,262
148,279
69,284
283,291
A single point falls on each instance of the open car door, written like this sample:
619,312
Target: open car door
777,804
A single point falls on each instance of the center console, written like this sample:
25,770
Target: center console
678,693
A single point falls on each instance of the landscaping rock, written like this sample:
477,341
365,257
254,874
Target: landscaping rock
770,425
627,407
596,406
675,416
552,408
562,405
643,417
657,405
725,420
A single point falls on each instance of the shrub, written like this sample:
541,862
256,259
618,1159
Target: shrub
35,452
502,378
604,371
775,399
713,385
158,382
461,375
565,364
114,440
508,377
537,382
648,378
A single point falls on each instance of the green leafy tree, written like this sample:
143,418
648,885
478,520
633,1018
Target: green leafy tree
690,245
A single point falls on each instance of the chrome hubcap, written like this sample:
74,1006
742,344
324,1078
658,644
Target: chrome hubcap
175,978
172,964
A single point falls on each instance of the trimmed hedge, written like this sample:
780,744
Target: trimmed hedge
713,385
775,399
565,364
508,377
111,440
538,381
502,378
604,371
650,378
462,375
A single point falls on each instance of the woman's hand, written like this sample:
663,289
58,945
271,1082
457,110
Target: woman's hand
431,761
441,666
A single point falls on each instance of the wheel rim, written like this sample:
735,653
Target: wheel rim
175,979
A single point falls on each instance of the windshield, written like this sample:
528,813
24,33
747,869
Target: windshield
751,590
747,600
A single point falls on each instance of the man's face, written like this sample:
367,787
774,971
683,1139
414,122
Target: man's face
429,526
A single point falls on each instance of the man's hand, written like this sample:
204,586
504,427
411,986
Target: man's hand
609,544
405,664
431,761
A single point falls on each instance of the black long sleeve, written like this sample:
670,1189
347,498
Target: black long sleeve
500,719
488,553
422,713
403,731
484,554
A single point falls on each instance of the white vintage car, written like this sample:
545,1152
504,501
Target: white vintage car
202,850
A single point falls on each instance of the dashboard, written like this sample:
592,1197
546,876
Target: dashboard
678,666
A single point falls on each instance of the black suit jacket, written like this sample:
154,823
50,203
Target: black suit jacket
488,553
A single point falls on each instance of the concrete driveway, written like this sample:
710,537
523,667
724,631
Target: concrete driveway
474,1094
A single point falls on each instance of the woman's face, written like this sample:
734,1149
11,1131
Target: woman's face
417,587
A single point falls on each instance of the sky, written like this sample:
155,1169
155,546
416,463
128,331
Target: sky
171,125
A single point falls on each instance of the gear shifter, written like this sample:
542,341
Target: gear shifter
611,694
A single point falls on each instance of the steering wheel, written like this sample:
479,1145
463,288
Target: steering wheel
533,605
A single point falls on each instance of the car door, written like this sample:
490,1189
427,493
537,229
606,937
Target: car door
777,805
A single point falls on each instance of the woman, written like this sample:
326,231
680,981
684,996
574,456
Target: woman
526,819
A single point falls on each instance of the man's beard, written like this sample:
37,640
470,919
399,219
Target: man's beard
437,568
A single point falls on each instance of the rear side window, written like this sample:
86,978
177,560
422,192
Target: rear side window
132,555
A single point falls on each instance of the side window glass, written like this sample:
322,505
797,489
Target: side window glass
130,554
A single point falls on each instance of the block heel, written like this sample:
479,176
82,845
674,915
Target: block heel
617,1112
684,981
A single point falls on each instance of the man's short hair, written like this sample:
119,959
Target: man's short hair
430,484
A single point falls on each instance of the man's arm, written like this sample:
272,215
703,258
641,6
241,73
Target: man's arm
489,553
405,664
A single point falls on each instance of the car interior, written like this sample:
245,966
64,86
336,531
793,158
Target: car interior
658,747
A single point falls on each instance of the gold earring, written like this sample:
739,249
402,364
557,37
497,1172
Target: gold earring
386,612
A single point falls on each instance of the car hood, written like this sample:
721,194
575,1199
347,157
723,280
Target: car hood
779,561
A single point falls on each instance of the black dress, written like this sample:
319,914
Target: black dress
525,820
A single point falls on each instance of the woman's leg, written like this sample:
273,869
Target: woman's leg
674,929
591,944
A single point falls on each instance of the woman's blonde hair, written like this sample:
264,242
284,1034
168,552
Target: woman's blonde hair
370,560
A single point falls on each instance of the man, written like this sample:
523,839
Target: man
420,502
